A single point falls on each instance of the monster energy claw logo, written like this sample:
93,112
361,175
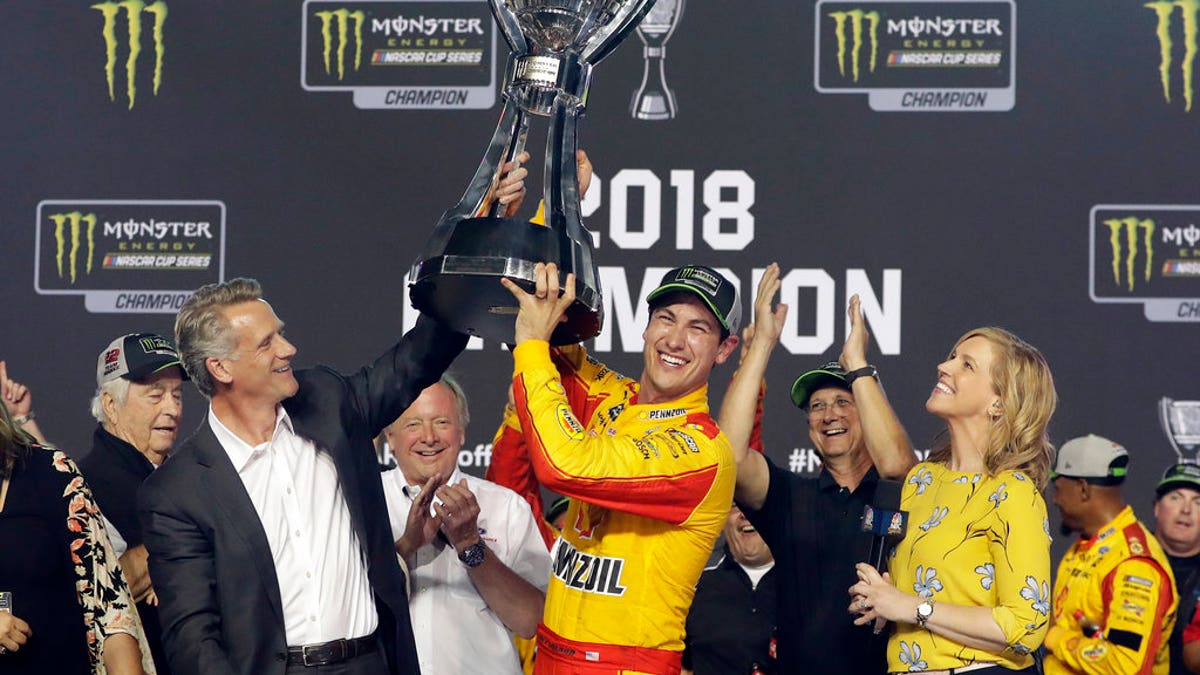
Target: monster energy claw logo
133,17
342,17
75,221
856,18
1127,254
1190,10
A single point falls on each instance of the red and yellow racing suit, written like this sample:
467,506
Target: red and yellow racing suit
650,489
1114,603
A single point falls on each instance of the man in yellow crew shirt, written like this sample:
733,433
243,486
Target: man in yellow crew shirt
649,474
1114,595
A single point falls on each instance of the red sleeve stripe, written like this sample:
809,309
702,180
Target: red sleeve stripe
668,497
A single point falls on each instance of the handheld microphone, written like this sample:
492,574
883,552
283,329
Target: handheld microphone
884,520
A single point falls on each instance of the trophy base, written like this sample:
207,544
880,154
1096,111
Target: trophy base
461,287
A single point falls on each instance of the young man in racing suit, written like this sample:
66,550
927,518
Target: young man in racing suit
649,474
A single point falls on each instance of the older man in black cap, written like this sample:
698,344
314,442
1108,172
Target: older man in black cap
138,404
1177,528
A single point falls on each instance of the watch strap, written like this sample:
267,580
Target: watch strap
924,611
865,371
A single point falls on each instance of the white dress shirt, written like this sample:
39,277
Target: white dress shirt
455,630
319,561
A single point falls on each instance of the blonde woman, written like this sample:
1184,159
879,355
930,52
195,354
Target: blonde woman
969,589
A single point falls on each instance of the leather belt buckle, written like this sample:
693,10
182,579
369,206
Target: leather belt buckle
324,654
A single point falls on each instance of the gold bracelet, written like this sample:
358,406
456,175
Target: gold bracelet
21,420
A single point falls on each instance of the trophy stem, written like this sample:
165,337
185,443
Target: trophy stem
561,188
515,146
653,100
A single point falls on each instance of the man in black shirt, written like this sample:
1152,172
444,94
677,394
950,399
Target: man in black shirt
731,625
1177,517
813,524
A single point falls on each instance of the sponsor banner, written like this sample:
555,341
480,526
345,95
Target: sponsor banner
406,54
919,56
1176,33
135,256
133,33
1148,254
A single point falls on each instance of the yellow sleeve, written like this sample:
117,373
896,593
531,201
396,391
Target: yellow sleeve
1020,545
664,475
1138,596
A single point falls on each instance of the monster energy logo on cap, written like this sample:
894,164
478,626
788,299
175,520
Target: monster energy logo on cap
133,19
718,293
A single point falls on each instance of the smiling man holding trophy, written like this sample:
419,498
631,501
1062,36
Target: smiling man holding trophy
649,474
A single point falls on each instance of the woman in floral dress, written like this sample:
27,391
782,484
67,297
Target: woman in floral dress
969,588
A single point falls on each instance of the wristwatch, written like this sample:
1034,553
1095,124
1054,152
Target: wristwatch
865,371
924,611
472,556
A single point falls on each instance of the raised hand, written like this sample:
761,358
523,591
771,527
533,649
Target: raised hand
854,352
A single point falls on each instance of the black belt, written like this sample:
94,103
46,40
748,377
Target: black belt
327,653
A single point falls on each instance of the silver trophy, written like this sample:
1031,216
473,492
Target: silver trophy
1181,422
456,279
653,100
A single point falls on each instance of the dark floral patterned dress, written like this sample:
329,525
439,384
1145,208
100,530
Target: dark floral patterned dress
56,560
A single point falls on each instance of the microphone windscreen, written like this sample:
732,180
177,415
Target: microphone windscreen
887,495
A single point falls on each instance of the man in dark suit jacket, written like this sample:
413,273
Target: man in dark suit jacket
252,578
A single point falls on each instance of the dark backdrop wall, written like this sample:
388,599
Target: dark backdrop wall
956,163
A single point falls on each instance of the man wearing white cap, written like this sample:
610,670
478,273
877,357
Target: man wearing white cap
138,404
1114,594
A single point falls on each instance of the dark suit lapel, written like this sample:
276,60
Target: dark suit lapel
221,483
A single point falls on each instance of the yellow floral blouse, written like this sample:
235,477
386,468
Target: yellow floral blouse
972,540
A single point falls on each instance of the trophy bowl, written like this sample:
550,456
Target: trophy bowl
464,286
456,279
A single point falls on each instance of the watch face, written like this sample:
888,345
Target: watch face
473,555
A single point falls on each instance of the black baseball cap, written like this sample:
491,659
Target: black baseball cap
135,357
1183,475
829,375
719,295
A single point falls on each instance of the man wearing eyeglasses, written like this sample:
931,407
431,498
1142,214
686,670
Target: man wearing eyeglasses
813,524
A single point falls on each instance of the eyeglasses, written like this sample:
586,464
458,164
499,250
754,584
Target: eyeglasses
840,406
